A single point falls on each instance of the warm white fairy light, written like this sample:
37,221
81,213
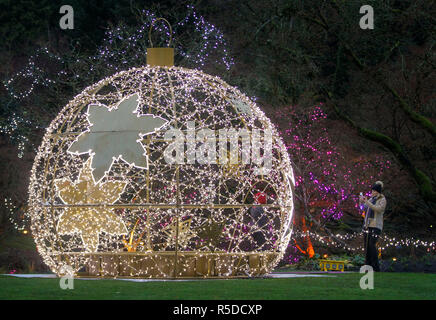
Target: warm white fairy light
385,241
11,128
210,203
18,218
33,74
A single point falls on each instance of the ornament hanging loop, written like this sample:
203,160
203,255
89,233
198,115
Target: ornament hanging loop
162,57
151,28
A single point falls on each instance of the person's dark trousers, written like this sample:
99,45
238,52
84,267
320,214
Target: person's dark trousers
371,254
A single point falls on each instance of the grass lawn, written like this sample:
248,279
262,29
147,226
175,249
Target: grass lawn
343,286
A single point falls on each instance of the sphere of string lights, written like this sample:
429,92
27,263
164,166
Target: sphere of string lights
104,200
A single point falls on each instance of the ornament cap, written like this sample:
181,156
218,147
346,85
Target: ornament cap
160,57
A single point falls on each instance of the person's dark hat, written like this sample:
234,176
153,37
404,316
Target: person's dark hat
377,186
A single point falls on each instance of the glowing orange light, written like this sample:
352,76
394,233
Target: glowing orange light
131,245
310,251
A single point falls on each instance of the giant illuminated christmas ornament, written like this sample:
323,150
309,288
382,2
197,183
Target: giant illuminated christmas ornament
161,172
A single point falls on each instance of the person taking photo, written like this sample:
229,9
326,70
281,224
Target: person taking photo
374,208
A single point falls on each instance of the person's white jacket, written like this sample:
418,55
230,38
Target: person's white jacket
378,208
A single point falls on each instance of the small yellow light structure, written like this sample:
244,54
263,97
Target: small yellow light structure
331,265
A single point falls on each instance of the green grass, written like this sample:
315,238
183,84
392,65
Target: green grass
343,286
